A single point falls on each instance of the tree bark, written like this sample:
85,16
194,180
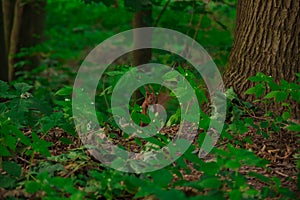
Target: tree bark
142,18
23,26
266,39
8,13
32,29
15,37
3,57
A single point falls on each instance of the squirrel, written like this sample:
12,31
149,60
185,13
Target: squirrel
150,99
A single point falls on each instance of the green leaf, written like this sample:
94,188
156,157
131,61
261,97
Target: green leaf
51,121
295,95
12,168
22,87
3,88
235,194
11,141
115,73
170,194
259,77
251,90
65,140
281,96
210,168
40,145
6,181
4,151
162,177
32,186
260,177
285,115
65,91
170,76
270,95
259,90
233,164
294,127
210,182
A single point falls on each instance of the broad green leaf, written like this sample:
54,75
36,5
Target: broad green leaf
170,76
233,164
285,115
6,181
210,182
210,168
65,140
271,95
170,194
11,141
22,87
3,88
251,90
162,177
258,90
65,91
40,145
4,151
235,194
12,168
281,96
260,177
259,77
251,193
294,127
32,186
295,95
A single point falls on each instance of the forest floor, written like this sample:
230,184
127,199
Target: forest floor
280,149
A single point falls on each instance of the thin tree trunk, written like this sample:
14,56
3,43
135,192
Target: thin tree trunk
15,37
8,13
3,55
266,40
23,27
32,29
142,18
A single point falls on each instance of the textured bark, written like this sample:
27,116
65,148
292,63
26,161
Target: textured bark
32,29
23,26
8,11
142,18
266,40
15,37
3,57
7,8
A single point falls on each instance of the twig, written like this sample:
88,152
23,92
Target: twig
161,13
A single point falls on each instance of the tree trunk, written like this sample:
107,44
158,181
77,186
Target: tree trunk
7,9
142,18
266,40
3,57
15,37
32,29
8,13
23,26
